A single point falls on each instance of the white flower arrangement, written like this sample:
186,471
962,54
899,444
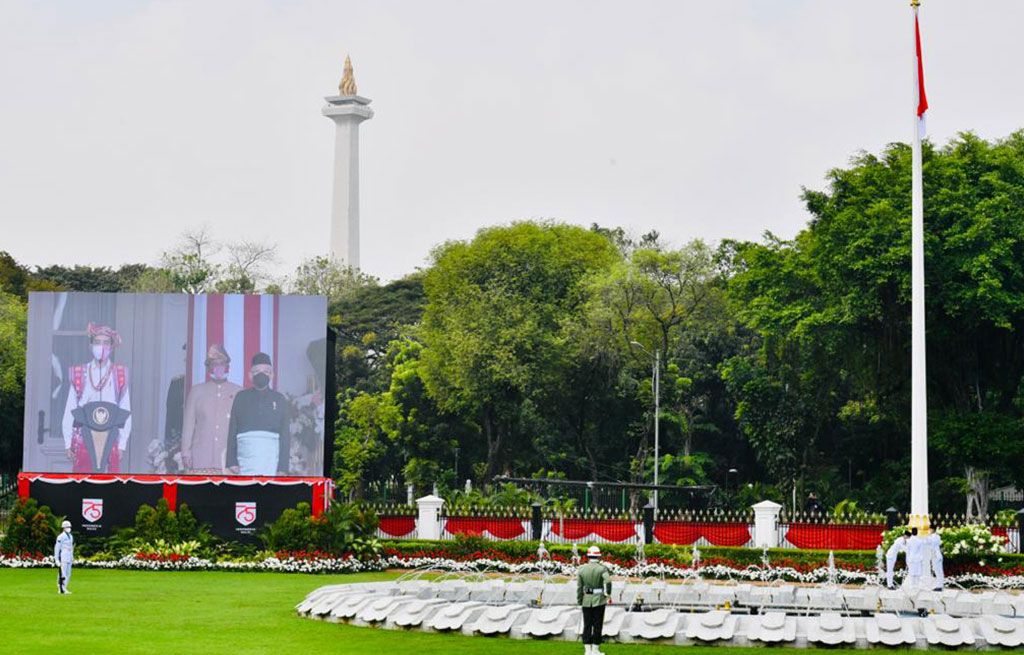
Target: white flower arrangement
750,573
192,563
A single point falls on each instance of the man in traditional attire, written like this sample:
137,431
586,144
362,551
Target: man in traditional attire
258,431
897,547
593,593
63,555
204,431
99,389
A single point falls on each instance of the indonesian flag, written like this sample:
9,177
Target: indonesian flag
243,325
922,99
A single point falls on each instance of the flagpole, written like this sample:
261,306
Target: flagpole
918,389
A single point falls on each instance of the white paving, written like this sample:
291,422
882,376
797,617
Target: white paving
657,611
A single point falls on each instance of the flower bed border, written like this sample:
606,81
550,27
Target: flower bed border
321,563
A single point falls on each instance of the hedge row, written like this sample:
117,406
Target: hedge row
464,547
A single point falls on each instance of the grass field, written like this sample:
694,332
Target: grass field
206,613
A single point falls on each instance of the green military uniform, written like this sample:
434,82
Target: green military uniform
593,585
593,593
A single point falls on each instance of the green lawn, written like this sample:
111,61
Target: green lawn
202,613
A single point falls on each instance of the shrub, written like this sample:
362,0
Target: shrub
31,528
972,541
159,522
962,544
162,548
344,528
292,531
679,555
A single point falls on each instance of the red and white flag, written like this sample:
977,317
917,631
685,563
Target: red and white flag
243,325
922,99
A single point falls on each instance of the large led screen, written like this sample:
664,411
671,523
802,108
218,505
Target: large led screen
215,384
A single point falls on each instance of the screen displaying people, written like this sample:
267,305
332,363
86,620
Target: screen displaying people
214,384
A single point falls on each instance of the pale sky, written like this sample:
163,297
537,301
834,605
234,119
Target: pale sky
124,123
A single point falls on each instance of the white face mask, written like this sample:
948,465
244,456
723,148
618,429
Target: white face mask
67,529
100,352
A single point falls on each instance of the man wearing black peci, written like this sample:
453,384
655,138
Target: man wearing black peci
258,433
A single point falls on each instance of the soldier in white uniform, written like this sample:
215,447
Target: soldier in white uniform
934,542
916,547
897,547
63,555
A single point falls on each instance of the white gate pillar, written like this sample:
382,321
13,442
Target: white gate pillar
428,526
766,524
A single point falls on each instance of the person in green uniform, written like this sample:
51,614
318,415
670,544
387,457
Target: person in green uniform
593,593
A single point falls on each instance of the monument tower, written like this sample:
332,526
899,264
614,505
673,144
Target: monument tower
347,109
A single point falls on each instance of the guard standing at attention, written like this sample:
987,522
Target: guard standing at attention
63,555
593,593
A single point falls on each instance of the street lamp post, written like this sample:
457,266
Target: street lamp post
731,471
656,377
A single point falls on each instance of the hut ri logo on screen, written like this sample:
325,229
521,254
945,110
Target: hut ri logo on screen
245,514
92,511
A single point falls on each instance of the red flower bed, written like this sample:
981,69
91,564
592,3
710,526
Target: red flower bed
35,555
157,557
303,554
962,569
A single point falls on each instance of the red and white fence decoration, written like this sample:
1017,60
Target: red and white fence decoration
805,532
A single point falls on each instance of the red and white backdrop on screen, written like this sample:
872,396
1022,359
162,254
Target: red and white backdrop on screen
244,325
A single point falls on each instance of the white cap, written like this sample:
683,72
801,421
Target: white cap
65,524
593,551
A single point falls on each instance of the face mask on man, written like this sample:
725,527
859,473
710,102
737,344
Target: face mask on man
100,352
219,372
67,530
260,380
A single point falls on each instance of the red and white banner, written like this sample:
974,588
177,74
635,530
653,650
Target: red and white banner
498,528
609,530
397,526
716,534
243,325
322,489
835,537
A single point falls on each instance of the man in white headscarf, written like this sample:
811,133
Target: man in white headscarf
63,555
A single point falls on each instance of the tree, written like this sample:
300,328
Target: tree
672,301
982,443
368,319
365,424
493,326
192,265
325,276
189,264
13,327
92,278
831,310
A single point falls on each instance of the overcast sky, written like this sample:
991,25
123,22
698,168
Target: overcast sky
124,123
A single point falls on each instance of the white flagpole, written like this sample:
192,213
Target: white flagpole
918,391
